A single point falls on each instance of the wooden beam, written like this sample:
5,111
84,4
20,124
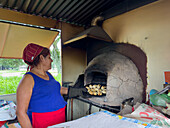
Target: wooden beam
15,16
69,31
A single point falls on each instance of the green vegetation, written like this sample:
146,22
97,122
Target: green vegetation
56,55
58,78
10,64
8,85
10,75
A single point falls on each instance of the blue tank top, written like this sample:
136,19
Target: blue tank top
46,95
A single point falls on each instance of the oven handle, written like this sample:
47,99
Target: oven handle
112,109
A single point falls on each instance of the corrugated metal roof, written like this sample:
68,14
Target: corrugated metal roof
78,12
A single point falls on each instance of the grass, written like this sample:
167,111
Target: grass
8,85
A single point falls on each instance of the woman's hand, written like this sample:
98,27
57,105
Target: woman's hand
64,91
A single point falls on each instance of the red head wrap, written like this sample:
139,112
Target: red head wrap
31,51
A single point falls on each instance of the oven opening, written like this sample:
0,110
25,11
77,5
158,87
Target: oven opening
97,78
97,82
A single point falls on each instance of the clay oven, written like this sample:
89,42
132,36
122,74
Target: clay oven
120,66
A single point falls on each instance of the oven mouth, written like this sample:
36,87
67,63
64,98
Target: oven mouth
96,83
96,77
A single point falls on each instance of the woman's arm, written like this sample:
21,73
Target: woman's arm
64,90
24,92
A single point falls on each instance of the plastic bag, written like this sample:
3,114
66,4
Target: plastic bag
159,99
150,115
7,112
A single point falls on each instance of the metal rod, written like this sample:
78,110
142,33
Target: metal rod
72,109
90,106
112,109
29,25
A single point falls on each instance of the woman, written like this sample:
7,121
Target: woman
39,100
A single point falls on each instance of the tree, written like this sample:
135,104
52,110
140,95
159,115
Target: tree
56,54
10,63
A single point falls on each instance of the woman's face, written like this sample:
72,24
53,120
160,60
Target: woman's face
47,62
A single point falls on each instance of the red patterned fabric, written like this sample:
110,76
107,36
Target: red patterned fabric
31,51
43,120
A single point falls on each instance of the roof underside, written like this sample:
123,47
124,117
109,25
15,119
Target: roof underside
14,38
78,12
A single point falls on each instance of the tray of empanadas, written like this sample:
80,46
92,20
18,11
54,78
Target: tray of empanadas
96,89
